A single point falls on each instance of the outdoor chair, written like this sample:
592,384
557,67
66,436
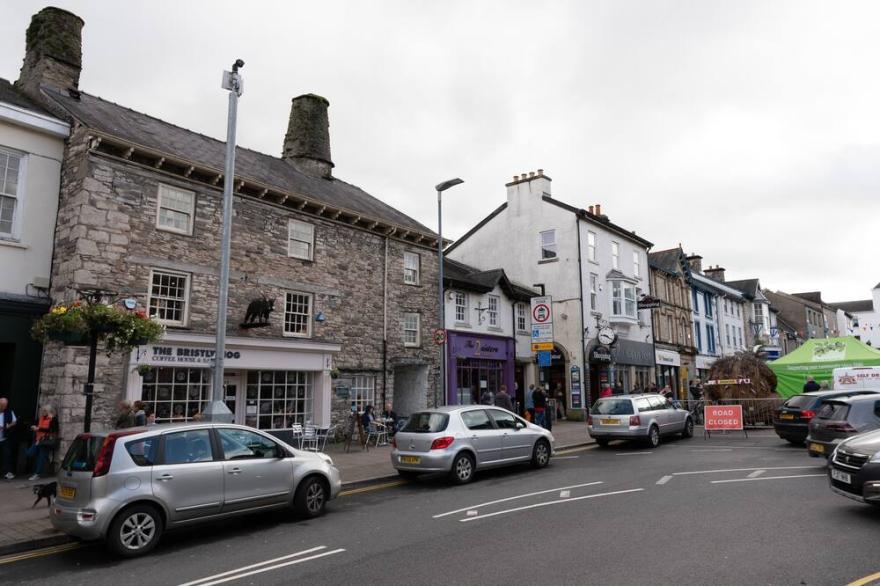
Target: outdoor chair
379,432
297,431
323,434
309,439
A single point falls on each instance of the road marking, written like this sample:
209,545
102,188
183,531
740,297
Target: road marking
17,557
580,449
767,478
664,480
865,580
712,450
511,498
756,473
632,453
566,457
373,487
548,503
564,494
242,573
744,470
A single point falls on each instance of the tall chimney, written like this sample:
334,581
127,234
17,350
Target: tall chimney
696,262
53,52
715,273
307,142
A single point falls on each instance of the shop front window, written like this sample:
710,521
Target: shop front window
475,376
175,394
276,399
363,392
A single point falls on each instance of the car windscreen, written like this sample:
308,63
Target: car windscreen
833,411
426,422
82,453
612,407
800,401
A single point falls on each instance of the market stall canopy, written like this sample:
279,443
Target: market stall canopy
818,358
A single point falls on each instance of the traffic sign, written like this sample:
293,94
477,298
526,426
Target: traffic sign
544,358
439,336
538,346
542,320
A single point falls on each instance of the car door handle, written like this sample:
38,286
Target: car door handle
165,478
235,471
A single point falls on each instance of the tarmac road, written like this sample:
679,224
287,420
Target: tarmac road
727,510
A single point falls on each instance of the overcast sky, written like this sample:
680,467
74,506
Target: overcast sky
748,132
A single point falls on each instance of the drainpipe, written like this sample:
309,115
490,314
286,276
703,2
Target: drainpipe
385,325
585,395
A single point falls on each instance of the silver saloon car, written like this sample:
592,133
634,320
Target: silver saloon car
459,440
645,417
128,486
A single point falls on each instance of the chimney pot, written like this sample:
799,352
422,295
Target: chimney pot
531,174
516,177
53,52
307,142
541,172
598,209
591,209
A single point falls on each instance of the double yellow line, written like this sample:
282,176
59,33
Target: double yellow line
18,557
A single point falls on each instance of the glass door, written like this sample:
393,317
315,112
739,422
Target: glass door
231,385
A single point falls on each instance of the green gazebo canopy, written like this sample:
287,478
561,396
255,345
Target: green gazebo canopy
818,358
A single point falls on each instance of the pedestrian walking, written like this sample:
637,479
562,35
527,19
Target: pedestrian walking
45,440
502,399
560,402
125,418
530,402
618,389
140,414
540,399
487,398
605,392
811,386
7,422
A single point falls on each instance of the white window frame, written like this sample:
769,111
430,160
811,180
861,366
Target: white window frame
521,323
418,329
594,292
19,197
291,223
615,255
591,247
550,248
463,306
412,263
637,265
186,297
493,300
163,189
308,315
624,294
363,391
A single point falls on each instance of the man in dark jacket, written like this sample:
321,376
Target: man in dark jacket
811,385
502,399
540,399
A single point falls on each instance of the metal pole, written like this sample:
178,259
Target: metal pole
90,380
442,307
217,410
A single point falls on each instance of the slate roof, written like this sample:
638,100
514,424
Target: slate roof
9,94
666,260
749,287
458,274
146,131
850,306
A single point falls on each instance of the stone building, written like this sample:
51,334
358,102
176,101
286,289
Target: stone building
763,329
353,281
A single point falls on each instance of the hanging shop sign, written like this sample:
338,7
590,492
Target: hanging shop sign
648,302
667,358
601,354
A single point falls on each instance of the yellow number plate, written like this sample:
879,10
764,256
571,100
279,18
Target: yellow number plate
67,492
609,421
817,448
786,416
410,459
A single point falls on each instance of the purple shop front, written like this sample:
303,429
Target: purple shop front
478,362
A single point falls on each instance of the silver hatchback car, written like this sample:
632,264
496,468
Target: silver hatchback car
459,440
128,486
644,417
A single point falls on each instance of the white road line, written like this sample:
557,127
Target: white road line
712,450
547,504
756,473
566,457
272,561
632,453
768,478
236,576
664,480
745,470
511,498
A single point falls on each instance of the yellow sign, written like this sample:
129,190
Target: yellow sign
539,346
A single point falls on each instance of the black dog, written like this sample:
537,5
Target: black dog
45,491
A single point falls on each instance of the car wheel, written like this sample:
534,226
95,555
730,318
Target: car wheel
311,497
541,454
135,531
408,474
653,436
688,430
462,469
602,442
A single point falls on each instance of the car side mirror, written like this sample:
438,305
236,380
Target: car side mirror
519,425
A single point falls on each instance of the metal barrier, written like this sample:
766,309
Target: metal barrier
756,412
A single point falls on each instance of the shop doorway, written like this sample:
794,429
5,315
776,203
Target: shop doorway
410,389
231,384
556,377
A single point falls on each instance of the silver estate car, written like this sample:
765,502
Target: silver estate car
460,439
128,486
644,417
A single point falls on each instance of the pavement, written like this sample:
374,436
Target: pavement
23,527
720,510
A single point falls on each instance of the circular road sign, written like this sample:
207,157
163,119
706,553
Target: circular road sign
439,336
541,313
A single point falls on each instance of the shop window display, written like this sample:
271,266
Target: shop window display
175,394
276,399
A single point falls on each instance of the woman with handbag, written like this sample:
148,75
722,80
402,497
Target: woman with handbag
45,439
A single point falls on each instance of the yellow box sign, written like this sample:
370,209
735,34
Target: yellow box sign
539,346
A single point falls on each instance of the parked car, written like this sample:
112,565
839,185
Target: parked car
792,418
854,468
645,417
839,419
460,440
127,487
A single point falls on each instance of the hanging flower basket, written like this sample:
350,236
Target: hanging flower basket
119,328
144,369
70,338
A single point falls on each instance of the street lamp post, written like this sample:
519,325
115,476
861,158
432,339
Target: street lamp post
217,410
441,187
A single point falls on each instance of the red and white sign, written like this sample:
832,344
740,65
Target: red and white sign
719,417
541,313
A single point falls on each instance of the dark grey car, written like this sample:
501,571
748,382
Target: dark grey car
854,468
645,417
839,419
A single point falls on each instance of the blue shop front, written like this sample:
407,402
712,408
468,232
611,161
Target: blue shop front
478,362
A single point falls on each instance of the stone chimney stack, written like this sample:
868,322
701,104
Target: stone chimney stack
696,262
53,52
527,189
307,142
715,273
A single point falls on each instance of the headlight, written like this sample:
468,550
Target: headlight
875,459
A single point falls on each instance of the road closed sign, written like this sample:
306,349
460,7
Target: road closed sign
723,417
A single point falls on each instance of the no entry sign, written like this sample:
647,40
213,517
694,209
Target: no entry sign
721,417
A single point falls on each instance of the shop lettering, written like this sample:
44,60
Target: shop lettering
170,354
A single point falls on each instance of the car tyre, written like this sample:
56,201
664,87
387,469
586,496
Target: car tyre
311,497
541,454
653,436
688,430
135,531
462,468
602,442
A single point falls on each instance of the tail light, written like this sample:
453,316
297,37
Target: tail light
635,420
840,426
589,420
105,453
441,443
394,442
808,414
